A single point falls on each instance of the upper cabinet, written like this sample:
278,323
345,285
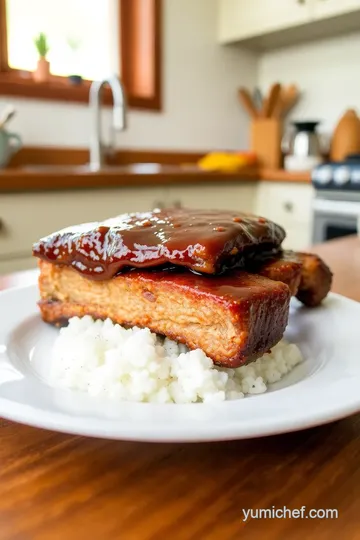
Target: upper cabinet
241,19
330,8
261,25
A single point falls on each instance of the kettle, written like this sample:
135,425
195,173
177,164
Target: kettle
302,147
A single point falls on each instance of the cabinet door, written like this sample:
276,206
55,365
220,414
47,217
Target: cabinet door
289,205
331,8
239,197
239,19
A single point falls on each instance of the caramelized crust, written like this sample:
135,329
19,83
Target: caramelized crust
232,319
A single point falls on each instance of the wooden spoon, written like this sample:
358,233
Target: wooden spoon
247,102
292,95
272,100
289,96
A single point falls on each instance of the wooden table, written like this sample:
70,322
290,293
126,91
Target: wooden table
55,486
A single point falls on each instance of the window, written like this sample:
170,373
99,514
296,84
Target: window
88,38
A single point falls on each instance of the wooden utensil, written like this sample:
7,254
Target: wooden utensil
272,100
288,98
247,102
258,100
346,138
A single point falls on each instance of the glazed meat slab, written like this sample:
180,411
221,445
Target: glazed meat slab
208,242
232,318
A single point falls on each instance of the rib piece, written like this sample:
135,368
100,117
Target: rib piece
316,280
285,267
207,241
232,319
307,276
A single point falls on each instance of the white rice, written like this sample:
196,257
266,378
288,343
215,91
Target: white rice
107,360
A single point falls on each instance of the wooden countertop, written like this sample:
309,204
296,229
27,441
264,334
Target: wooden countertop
343,257
63,486
34,178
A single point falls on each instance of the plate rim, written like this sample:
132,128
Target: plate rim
66,422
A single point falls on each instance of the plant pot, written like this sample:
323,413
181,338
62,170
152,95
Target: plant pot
42,72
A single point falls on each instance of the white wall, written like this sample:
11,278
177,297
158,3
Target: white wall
327,72
201,110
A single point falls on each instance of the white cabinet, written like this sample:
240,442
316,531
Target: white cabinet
26,217
289,205
240,19
239,196
331,8
263,24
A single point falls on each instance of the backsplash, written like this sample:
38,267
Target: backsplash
326,72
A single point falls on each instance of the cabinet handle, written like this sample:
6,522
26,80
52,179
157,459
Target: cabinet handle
288,206
158,204
301,2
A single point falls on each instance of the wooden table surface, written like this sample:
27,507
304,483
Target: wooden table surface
55,486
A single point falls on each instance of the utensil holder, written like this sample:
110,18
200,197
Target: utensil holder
265,137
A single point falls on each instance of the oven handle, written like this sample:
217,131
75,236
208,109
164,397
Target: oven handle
344,208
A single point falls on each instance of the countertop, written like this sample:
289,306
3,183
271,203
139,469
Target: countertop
35,178
63,486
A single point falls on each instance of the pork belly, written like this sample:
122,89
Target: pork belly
207,241
233,319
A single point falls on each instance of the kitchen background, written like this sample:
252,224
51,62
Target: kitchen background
210,48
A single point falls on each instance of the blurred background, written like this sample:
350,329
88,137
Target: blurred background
108,106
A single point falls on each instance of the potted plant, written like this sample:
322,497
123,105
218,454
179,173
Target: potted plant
42,72
74,45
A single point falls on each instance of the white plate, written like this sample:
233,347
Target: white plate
325,387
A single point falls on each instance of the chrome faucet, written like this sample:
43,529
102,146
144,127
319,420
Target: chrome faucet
97,148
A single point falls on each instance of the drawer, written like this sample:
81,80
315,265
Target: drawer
24,218
286,204
239,197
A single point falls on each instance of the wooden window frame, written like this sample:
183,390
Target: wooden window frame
20,83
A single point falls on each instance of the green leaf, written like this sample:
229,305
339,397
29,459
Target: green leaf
41,44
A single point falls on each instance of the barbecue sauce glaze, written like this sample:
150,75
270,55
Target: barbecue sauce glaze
205,241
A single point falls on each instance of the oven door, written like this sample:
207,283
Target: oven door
334,219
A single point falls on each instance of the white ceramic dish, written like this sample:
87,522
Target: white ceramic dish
324,388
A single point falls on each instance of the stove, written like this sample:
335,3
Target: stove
343,175
336,205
